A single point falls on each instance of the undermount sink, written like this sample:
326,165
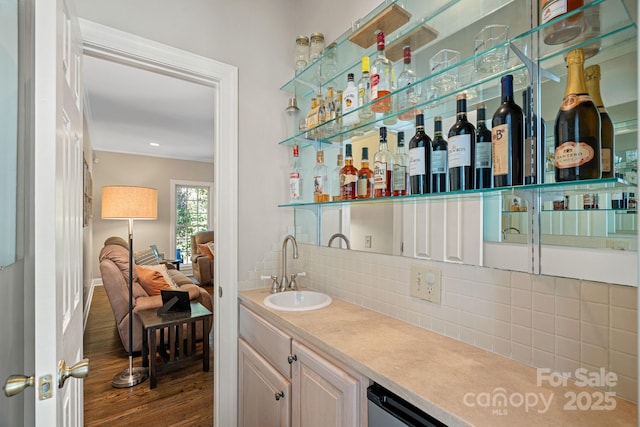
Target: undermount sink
297,301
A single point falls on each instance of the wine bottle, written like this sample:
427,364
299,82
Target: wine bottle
565,29
399,182
577,128
607,136
382,167
320,179
483,149
420,159
348,176
507,137
439,156
380,79
461,149
365,177
534,151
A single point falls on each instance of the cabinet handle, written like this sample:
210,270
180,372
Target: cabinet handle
292,358
279,395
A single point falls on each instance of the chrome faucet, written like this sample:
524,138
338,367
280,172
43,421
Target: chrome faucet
283,278
341,236
504,232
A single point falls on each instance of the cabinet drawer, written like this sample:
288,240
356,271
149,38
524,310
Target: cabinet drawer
272,344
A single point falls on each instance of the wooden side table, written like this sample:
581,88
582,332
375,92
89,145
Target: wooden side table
177,350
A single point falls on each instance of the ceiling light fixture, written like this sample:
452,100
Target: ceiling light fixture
154,144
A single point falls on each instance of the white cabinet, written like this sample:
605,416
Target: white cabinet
283,382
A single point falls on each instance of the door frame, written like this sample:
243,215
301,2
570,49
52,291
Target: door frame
115,45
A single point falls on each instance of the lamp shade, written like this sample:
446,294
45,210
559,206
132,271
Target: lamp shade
127,202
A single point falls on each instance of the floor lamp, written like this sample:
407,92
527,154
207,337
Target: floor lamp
124,202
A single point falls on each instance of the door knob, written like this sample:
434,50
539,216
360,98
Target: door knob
16,384
79,370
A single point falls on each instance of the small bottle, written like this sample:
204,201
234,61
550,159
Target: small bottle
439,155
534,151
295,178
380,79
330,111
565,29
461,146
320,179
577,128
400,170
335,179
350,103
364,91
382,167
312,119
316,47
420,159
348,176
484,179
607,135
365,177
408,96
507,137
390,118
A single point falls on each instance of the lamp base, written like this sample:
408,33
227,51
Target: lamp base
130,377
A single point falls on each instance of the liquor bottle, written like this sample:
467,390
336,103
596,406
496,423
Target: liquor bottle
565,29
439,155
534,151
399,183
365,177
320,179
330,112
410,96
607,137
295,178
420,159
348,176
577,128
461,149
350,103
380,79
483,150
312,119
507,137
338,101
335,179
364,91
390,118
382,167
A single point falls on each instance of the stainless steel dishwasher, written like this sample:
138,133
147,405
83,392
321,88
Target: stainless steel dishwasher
387,409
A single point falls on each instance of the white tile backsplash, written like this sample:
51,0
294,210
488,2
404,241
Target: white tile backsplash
543,321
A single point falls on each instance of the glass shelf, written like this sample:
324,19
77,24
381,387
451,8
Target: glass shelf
575,187
617,38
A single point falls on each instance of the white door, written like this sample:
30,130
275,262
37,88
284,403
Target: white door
58,211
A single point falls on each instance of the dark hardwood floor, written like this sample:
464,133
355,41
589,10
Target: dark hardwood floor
183,397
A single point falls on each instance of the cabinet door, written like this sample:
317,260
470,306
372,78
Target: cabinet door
264,394
323,394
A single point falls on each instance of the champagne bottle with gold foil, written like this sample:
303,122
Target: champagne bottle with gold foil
577,128
607,137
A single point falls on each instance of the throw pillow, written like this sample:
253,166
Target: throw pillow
151,281
145,257
162,269
212,248
204,249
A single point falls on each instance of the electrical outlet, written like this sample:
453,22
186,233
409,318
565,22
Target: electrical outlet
425,283
367,241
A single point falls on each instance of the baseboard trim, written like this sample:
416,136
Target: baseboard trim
87,303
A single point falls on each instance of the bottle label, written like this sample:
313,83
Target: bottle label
363,185
375,81
606,159
348,185
399,177
459,151
380,175
317,185
500,145
294,185
416,161
439,162
572,100
483,155
553,8
349,103
572,154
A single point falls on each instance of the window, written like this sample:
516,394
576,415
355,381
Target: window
191,213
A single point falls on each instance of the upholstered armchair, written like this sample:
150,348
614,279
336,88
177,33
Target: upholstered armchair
202,256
